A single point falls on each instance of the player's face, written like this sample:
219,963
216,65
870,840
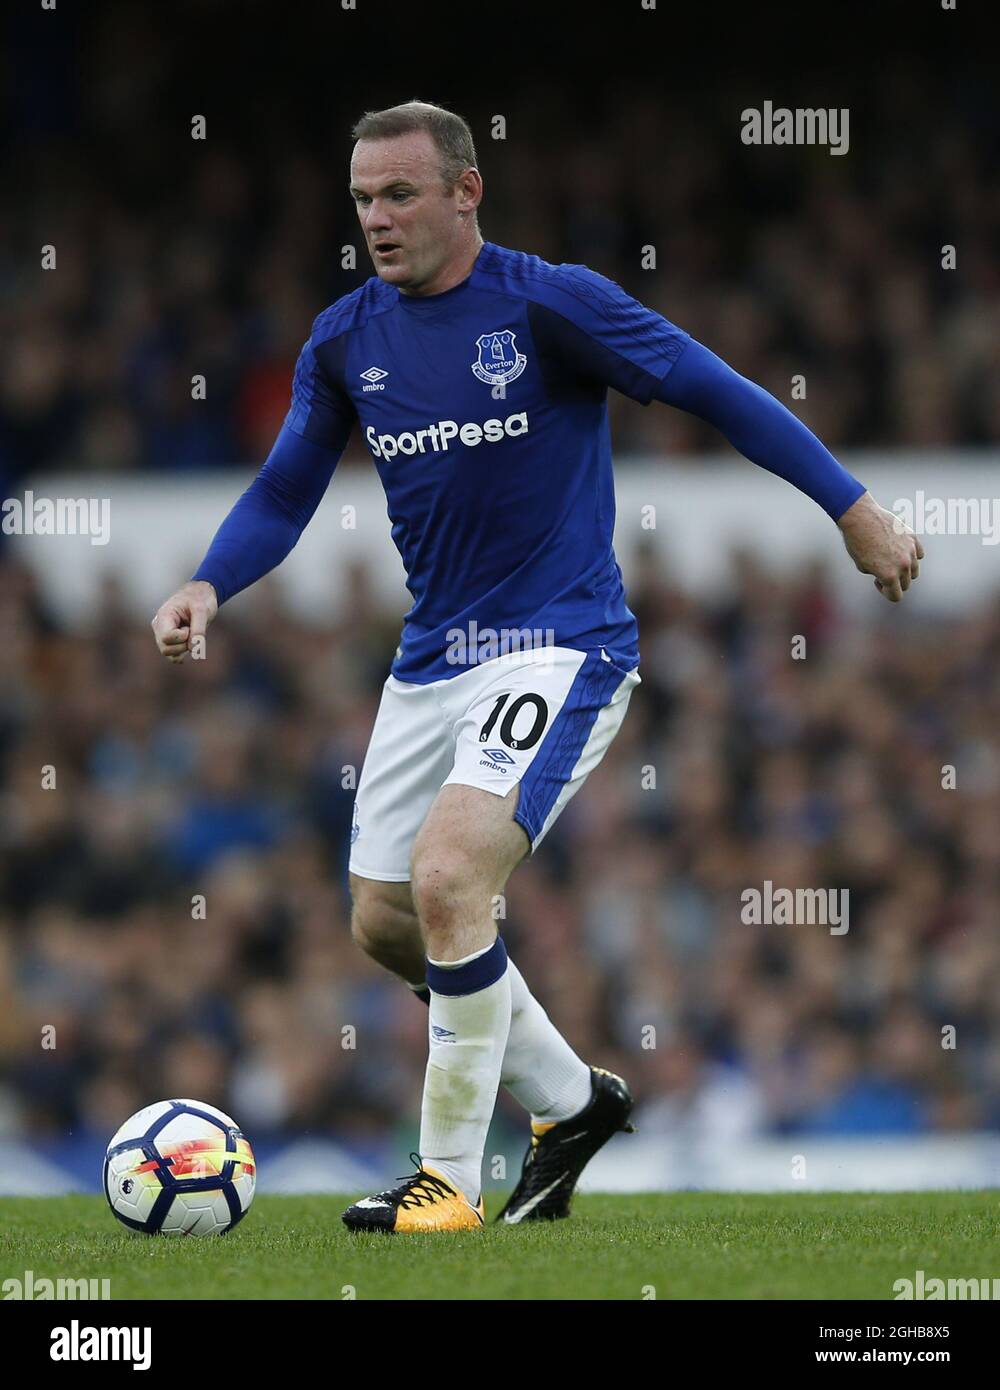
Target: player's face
411,221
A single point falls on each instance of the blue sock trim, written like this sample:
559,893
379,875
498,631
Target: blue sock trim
479,974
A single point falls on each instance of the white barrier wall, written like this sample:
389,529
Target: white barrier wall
160,526
638,1163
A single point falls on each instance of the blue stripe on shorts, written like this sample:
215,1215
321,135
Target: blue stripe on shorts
593,687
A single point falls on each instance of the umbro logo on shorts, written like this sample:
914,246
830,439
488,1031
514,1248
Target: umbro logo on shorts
498,755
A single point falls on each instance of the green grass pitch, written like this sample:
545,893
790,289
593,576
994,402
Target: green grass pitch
675,1245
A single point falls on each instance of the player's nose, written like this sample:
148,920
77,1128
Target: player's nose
377,219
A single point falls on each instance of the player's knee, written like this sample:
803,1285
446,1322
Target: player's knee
444,882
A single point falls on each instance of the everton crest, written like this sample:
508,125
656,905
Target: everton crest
499,361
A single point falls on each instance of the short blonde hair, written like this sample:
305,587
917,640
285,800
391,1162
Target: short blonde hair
450,133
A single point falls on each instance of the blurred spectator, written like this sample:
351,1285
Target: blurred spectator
176,907
189,272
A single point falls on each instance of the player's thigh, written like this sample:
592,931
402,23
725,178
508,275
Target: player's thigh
542,722
410,753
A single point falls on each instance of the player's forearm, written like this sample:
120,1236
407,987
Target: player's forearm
267,521
251,542
759,426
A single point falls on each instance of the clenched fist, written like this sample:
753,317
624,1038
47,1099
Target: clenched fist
879,544
183,617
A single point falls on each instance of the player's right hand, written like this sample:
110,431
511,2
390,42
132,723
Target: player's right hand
184,617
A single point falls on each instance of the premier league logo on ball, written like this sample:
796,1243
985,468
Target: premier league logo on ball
499,361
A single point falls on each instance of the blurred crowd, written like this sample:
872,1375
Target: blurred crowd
180,258
173,846
173,840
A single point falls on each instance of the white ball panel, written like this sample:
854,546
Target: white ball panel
197,1214
226,1120
137,1125
245,1184
132,1194
184,1127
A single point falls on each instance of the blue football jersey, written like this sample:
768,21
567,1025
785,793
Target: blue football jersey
485,411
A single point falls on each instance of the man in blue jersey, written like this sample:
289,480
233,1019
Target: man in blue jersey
479,378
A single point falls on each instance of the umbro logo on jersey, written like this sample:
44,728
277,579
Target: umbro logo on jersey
499,361
373,376
498,755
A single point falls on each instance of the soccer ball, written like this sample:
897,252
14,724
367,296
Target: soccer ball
179,1168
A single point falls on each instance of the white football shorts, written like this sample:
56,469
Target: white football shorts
542,719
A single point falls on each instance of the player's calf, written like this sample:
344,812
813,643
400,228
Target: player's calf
462,856
385,926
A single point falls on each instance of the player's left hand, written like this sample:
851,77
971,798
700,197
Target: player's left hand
880,544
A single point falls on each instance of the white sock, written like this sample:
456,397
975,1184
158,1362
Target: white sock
540,1069
467,1037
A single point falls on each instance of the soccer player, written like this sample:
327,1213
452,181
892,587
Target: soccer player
479,376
